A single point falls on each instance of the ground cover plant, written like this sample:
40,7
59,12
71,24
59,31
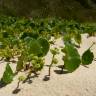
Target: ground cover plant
26,42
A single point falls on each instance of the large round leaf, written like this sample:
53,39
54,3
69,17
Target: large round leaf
44,45
71,64
35,47
38,47
71,58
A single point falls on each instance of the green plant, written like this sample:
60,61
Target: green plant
72,59
27,42
54,52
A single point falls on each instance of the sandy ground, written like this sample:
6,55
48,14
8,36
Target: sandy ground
82,82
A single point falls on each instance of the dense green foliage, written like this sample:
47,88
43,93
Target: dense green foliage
29,41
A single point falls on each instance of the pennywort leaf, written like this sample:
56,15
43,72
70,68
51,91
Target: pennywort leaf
44,45
38,47
71,58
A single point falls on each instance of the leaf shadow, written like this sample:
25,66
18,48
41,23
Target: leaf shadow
85,66
29,79
61,72
46,78
46,65
2,84
16,91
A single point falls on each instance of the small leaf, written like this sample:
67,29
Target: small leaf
21,78
19,66
8,75
55,61
87,57
37,65
77,38
54,51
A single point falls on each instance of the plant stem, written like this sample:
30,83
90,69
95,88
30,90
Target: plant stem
28,76
92,45
18,84
50,66
62,68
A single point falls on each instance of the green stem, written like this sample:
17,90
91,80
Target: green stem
92,45
62,69
18,84
50,66
28,76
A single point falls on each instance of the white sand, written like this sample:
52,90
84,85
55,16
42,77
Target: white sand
82,82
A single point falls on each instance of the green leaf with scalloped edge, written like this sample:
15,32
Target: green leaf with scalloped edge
72,58
35,47
38,47
87,57
8,75
44,45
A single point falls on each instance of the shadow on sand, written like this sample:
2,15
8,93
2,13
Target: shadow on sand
2,84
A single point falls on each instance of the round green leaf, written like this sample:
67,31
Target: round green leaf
44,45
71,64
87,57
34,47
71,58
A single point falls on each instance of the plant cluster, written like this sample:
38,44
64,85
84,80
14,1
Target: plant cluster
27,41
